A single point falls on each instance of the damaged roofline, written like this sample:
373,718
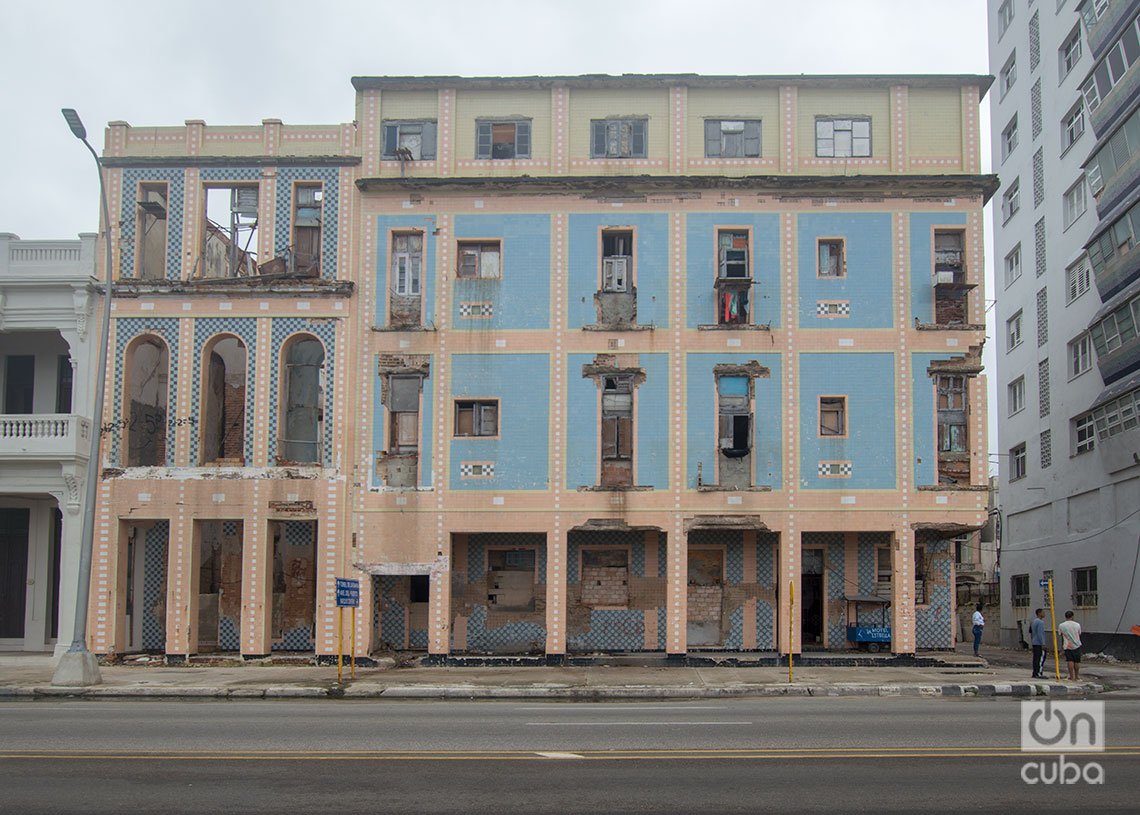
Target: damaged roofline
229,161
360,83
917,186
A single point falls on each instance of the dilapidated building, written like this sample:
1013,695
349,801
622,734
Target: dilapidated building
553,365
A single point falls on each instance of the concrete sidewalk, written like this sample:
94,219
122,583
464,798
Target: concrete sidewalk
29,677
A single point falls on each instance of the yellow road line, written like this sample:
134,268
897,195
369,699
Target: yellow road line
597,755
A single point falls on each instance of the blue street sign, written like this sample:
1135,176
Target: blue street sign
347,592
1043,584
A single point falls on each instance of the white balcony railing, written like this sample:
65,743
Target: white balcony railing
45,435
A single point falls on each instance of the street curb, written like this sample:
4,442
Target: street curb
563,692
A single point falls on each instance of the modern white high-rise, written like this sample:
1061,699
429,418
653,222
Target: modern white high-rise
1066,136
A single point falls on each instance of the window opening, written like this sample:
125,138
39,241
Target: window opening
303,420
843,137
617,259
230,240
833,415
305,257
617,430
732,138
502,140
152,207
618,138
223,409
404,419
147,390
831,261
410,140
479,259
477,418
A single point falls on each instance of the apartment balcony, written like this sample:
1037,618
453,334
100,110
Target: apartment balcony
1116,104
46,437
1105,31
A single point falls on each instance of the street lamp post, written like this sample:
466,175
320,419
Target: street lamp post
78,666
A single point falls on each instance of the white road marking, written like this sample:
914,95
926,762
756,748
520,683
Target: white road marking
650,707
560,755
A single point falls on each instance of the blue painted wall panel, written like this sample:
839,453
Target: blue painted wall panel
652,429
582,428
925,419
520,453
921,264
520,296
701,417
867,284
867,380
651,273
701,264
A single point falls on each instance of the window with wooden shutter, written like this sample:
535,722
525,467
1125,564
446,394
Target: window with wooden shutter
617,417
732,138
479,259
410,140
502,139
833,416
618,138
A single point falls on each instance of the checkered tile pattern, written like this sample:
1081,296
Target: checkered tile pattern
611,630
933,623
390,610
418,639
156,542
869,542
517,637
224,174
837,587
485,309
229,638
128,212
206,328
229,528
283,328
330,212
832,308
735,639
733,542
662,632
825,469
126,329
767,548
467,469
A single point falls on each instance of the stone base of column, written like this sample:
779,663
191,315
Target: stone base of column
77,669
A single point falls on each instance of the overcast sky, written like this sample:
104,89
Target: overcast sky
161,62
241,61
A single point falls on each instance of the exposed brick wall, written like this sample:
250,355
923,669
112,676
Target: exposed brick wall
605,586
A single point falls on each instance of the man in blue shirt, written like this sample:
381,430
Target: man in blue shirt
1037,640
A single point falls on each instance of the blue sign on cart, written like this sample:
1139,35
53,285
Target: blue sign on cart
347,592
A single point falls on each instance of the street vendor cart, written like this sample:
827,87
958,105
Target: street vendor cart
871,629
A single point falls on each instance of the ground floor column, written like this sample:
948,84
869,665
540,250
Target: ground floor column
71,540
439,605
902,591
257,582
677,591
789,576
181,596
556,589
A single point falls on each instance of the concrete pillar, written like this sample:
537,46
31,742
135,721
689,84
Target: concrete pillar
677,593
257,584
556,555
902,591
71,538
439,607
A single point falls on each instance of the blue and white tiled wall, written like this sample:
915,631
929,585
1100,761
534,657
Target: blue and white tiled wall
127,329
325,331
205,329
156,543
933,622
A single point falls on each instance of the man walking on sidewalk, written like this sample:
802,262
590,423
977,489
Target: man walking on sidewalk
1037,640
979,625
1070,632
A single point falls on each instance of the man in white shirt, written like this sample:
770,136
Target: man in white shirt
1070,632
979,625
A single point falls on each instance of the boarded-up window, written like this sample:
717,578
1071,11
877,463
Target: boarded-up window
477,418
832,416
617,418
831,258
618,138
404,405
479,259
732,138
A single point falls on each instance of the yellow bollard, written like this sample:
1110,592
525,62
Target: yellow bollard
791,625
1053,620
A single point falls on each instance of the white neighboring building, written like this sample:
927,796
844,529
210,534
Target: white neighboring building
1070,489
48,333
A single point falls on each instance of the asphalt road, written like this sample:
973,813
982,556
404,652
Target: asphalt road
820,755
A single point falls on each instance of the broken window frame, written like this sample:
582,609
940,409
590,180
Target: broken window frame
952,392
482,418
150,213
307,215
209,350
732,408
407,264
403,418
286,405
724,139
242,257
131,452
617,260
831,258
617,424
730,264
619,137
395,139
835,407
489,149
479,259
829,143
